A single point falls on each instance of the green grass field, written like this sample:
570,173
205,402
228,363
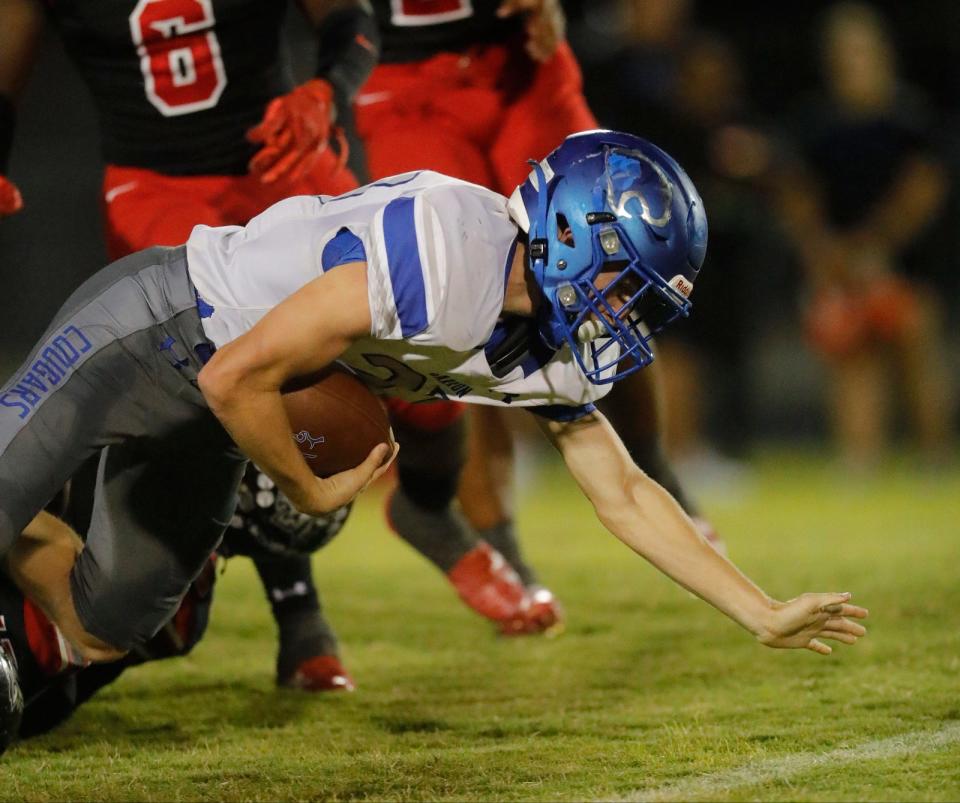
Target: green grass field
649,695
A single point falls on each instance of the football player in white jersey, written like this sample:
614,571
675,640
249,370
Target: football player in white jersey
597,249
427,287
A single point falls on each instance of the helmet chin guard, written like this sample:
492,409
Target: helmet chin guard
617,234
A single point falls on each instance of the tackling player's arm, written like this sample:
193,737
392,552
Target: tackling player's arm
20,24
648,520
545,25
301,335
296,127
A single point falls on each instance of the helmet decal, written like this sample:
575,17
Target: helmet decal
682,285
618,196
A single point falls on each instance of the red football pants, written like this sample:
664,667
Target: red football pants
477,115
143,208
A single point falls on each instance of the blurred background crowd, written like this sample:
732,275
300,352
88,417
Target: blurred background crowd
825,140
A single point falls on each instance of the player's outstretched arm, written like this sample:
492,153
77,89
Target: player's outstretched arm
648,520
300,336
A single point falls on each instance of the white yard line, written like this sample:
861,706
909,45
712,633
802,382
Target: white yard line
781,767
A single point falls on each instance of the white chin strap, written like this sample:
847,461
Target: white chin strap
590,330
518,211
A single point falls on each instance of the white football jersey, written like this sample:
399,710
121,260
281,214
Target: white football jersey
437,250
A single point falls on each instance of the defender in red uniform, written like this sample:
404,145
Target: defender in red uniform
200,123
471,88
53,680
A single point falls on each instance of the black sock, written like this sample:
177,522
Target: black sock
304,632
442,536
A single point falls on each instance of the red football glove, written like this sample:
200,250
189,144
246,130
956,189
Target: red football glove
10,199
295,130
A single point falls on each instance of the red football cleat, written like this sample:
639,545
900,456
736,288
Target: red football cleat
542,613
320,673
489,585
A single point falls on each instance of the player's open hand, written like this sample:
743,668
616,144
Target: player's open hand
295,130
802,622
340,489
545,25
10,199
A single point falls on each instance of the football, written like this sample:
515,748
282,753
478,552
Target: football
335,420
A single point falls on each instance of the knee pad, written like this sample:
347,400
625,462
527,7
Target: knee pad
430,462
430,490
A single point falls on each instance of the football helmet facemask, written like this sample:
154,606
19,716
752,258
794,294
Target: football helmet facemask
11,702
617,234
265,522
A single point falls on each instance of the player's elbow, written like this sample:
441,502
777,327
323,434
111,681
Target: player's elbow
218,381
619,506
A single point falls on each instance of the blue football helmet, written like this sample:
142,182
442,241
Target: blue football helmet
610,203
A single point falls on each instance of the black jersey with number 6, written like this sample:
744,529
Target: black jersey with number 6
176,82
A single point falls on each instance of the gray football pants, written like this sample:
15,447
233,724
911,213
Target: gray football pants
116,373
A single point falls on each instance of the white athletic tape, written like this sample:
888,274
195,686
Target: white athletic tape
707,787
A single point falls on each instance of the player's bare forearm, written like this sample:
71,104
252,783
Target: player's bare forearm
39,563
250,409
300,336
914,199
648,520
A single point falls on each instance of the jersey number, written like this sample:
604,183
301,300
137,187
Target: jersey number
179,54
429,12
401,375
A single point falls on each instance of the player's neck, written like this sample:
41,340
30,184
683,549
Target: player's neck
521,295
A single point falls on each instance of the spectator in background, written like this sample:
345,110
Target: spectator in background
630,50
866,186
684,88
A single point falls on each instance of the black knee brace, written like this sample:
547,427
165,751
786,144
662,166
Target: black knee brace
431,490
429,463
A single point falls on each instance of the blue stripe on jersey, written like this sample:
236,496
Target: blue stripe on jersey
343,248
406,272
563,412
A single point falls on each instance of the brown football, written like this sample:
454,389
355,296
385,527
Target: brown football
335,420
